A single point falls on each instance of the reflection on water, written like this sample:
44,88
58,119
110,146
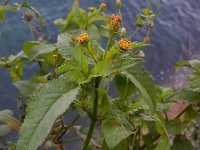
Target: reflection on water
176,30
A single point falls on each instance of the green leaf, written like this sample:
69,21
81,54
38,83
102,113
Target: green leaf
38,15
80,17
97,18
163,143
124,86
47,104
4,130
123,145
138,45
185,95
181,143
175,126
34,49
146,11
195,82
139,20
4,8
107,67
70,51
114,133
142,80
6,117
25,87
195,64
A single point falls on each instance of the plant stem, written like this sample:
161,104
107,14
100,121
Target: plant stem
94,117
108,43
31,29
91,54
132,35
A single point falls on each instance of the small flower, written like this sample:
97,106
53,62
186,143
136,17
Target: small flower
82,38
124,44
102,6
114,22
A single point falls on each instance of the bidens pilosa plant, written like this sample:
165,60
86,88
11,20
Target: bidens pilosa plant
94,70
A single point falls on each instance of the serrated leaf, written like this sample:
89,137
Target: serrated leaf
114,133
48,102
142,80
107,67
33,50
70,51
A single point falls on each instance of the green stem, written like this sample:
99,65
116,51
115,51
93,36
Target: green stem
94,118
132,35
126,90
108,43
133,142
31,29
91,54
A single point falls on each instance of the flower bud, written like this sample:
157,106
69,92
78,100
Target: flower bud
147,40
76,3
124,44
118,4
82,38
102,6
28,17
91,9
114,22
122,32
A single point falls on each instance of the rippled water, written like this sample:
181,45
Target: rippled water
176,30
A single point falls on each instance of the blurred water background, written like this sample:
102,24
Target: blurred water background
176,31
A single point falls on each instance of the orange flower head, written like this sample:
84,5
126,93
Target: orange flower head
83,38
115,22
103,6
124,44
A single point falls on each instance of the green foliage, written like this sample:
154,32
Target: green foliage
138,75
48,103
114,133
163,144
76,74
181,143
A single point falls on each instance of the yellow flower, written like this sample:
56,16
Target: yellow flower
114,22
124,44
82,38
